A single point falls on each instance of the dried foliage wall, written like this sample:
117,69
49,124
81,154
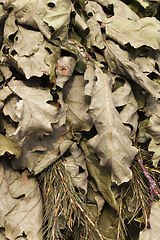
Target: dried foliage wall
79,100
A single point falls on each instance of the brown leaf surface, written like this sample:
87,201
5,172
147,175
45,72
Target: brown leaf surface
77,103
35,114
26,216
119,63
112,143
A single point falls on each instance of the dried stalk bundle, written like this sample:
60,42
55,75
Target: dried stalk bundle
65,214
135,199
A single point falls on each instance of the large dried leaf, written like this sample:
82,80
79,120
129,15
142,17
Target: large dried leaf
58,17
35,114
146,64
100,175
112,143
35,65
26,217
7,176
31,13
120,9
26,42
94,37
123,97
20,204
119,63
7,145
38,154
154,232
26,49
144,31
77,103
10,28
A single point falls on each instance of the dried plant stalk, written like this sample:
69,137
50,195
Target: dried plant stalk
65,214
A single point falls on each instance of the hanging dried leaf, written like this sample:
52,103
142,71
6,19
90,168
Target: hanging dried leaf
35,117
112,136
118,62
123,97
7,176
77,103
38,154
58,17
31,14
142,32
26,217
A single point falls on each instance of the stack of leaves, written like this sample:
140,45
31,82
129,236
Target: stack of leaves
79,95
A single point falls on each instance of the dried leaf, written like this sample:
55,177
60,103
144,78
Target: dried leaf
73,164
146,64
144,31
7,203
154,232
153,128
90,78
26,216
94,37
112,143
120,9
100,175
153,147
77,103
10,106
31,14
10,28
26,42
108,225
142,135
7,4
35,114
119,63
80,23
58,17
38,154
34,65
93,8
123,97
7,145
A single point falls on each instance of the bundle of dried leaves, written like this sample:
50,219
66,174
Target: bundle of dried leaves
79,120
